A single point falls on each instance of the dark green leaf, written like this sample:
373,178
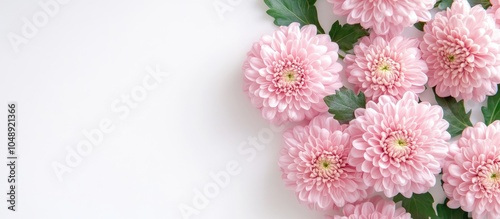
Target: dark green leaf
491,111
420,26
443,4
419,205
485,3
447,213
454,113
286,12
343,103
346,35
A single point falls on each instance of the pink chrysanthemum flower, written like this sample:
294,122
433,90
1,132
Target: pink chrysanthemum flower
288,73
385,17
314,164
375,208
386,67
493,10
471,173
399,144
462,49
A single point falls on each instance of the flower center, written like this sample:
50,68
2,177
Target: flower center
385,72
451,58
327,166
384,69
289,76
399,145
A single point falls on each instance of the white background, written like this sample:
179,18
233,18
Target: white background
89,54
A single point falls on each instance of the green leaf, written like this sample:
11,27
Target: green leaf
454,113
443,4
346,35
419,205
444,212
420,26
485,3
286,12
343,103
491,111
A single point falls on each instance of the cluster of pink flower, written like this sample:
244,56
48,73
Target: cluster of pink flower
396,144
